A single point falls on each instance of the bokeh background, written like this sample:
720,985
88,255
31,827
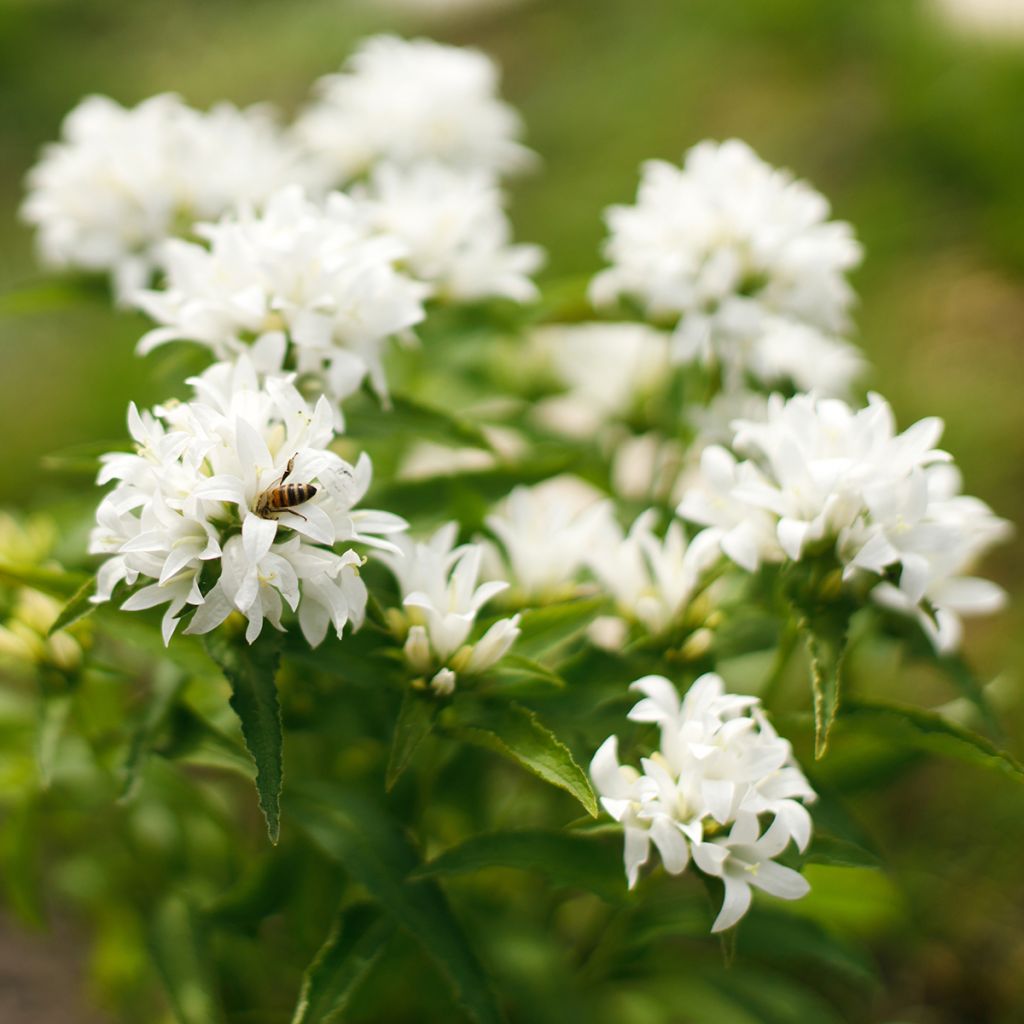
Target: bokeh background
906,113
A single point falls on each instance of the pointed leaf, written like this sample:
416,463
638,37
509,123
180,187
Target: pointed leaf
930,731
416,719
826,644
376,853
542,629
411,417
250,669
54,582
355,943
178,948
515,732
574,859
78,607
53,715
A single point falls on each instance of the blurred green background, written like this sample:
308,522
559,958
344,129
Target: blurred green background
911,128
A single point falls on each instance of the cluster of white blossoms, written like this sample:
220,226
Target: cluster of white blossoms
193,515
818,478
406,101
728,249
720,765
307,273
441,599
123,180
455,230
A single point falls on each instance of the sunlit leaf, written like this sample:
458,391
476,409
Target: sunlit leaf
515,732
78,607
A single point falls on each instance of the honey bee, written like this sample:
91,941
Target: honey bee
283,497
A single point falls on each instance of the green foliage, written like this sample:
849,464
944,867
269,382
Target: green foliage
251,671
515,732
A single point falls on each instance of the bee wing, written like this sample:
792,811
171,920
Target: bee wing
340,483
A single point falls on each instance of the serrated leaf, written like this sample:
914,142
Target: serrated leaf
575,859
931,732
355,943
415,721
78,607
251,671
542,629
178,948
826,644
515,732
379,857
516,671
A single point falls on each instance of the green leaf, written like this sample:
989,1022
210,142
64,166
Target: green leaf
78,607
168,682
376,853
80,459
177,945
825,637
355,943
514,732
55,582
250,669
515,672
931,732
545,628
416,719
828,849
54,708
410,417
573,859
193,740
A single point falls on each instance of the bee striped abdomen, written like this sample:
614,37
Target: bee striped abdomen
289,495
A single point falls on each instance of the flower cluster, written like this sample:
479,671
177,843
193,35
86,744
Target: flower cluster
720,765
722,249
123,180
405,101
441,600
194,517
312,274
817,477
456,233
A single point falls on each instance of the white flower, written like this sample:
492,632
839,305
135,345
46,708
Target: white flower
824,479
743,859
607,369
122,180
411,100
720,763
787,352
439,588
723,243
312,271
652,579
191,513
456,233
547,532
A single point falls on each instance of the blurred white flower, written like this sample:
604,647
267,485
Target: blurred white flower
717,246
442,598
821,478
406,101
190,510
123,180
546,534
457,236
306,273
652,579
608,371
720,763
